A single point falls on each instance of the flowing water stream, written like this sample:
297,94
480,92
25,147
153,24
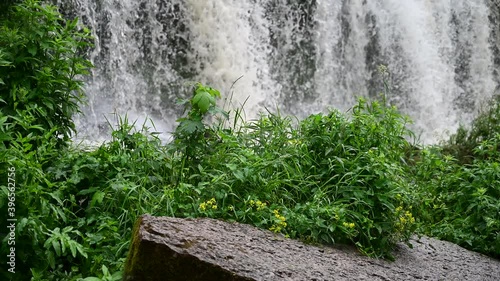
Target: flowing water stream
300,56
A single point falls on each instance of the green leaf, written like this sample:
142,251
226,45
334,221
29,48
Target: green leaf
51,259
57,247
118,275
202,100
105,270
72,247
97,198
80,249
32,50
214,92
64,240
59,212
189,127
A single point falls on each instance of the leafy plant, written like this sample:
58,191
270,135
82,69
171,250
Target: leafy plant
192,135
462,144
41,62
460,203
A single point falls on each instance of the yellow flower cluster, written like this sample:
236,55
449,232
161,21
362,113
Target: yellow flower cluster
405,218
210,204
349,224
277,227
259,204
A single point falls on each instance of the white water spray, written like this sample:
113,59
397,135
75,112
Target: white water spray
300,57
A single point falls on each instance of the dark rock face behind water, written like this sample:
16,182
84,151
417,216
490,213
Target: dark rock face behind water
166,248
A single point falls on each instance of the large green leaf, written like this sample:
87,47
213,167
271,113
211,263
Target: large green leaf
202,100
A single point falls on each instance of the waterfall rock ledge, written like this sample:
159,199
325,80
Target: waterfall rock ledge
165,248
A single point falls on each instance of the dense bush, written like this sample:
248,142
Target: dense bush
41,59
459,186
462,145
76,207
332,178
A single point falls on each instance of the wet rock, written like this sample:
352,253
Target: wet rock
166,248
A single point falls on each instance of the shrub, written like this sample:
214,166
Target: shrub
463,143
461,203
357,164
459,186
330,179
41,61
75,208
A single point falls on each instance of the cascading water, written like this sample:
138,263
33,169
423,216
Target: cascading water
299,56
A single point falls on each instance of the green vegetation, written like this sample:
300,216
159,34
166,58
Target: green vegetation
40,60
331,178
459,185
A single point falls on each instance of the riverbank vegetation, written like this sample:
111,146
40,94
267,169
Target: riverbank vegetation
355,177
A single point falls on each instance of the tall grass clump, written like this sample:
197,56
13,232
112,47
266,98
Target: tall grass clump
331,178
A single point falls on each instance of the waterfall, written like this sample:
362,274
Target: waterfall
299,56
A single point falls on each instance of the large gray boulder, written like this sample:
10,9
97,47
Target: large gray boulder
166,248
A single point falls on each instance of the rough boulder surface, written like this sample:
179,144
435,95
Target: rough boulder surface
166,248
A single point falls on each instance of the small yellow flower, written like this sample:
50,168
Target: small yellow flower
211,204
230,208
405,220
277,227
349,224
203,206
410,217
260,205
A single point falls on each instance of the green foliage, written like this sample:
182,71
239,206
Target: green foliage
463,143
461,202
331,178
192,136
357,164
41,59
459,185
76,207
